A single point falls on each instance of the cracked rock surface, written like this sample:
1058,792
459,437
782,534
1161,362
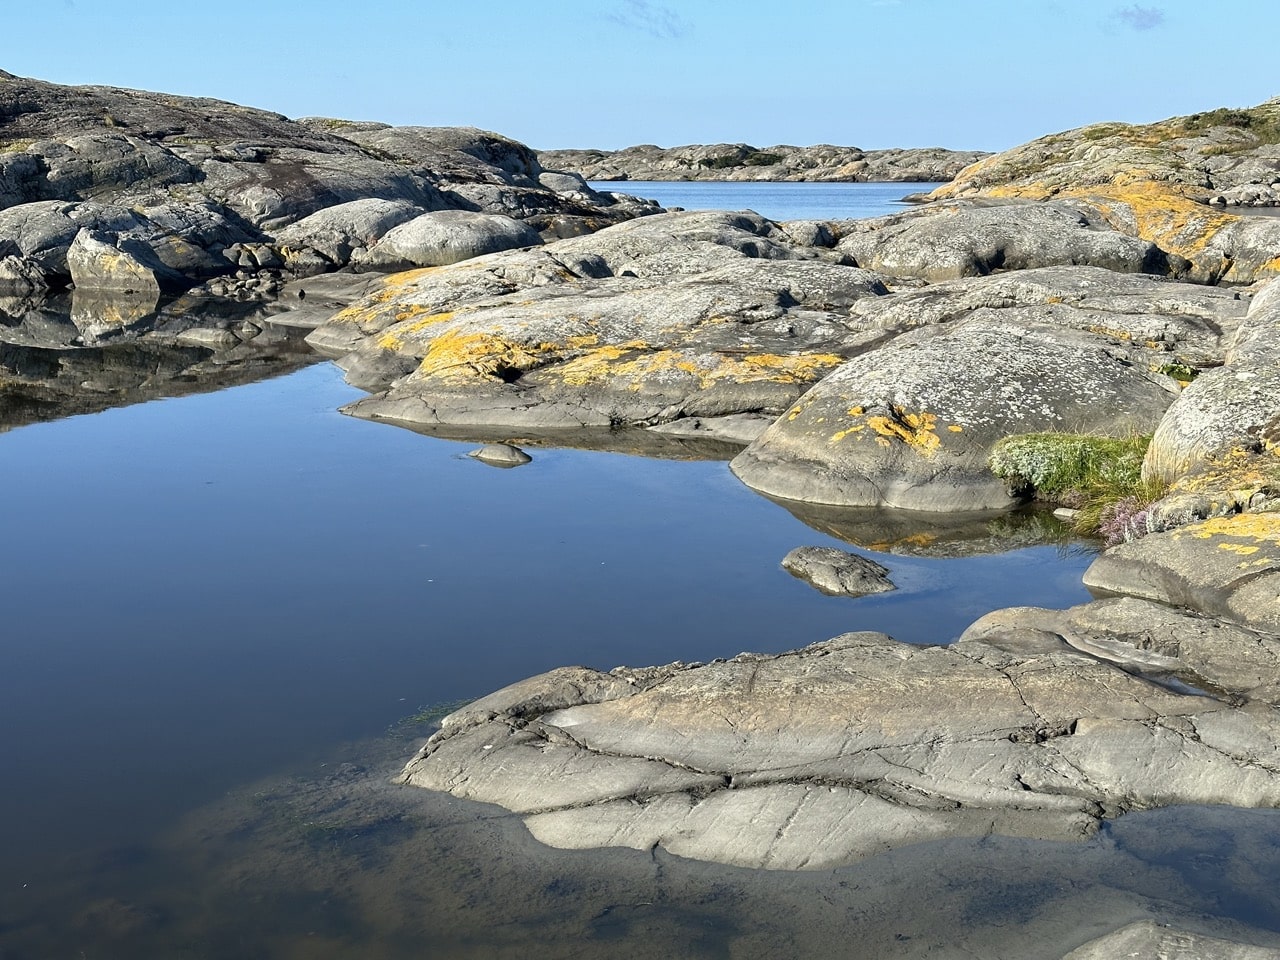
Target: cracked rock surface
1036,724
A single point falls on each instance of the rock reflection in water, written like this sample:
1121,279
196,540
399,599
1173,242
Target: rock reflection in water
81,353
345,865
922,534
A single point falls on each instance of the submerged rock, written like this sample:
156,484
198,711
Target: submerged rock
1148,939
501,455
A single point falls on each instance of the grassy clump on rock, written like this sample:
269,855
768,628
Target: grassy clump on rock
1101,477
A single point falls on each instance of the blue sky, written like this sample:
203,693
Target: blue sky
609,73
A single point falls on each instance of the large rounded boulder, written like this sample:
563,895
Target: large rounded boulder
913,423
447,236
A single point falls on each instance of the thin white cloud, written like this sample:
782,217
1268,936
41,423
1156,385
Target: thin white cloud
1140,18
656,20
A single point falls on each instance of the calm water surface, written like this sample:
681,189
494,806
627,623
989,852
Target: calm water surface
777,201
222,612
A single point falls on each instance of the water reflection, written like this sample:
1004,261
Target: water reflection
81,353
918,533
339,863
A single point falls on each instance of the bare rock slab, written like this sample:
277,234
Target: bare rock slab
828,754
1227,567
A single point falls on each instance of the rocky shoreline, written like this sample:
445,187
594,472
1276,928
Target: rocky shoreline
1093,282
741,161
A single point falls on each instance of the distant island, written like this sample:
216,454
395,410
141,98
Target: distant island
741,161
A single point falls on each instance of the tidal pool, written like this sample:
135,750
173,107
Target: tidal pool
223,611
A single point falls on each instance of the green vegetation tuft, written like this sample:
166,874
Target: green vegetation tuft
1264,125
1101,477
755,158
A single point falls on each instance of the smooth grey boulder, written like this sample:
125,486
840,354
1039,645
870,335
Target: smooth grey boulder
101,261
1226,567
912,423
837,573
1147,939
1232,409
1184,322
444,237
944,242
822,756
564,182
335,232
501,455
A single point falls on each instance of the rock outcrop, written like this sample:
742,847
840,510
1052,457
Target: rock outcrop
209,188
665,318
1171,183
822,756
741,161
1063,286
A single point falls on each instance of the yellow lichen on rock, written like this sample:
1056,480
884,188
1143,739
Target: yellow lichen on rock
1162,215
1259,528
619,363
595,365
460,357
917,430
394,339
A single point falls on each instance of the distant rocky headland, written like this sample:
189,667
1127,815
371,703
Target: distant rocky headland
1091,320
741,161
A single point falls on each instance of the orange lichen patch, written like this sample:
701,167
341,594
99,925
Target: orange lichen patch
598,364
1111,332
394,339
620,363
1235,476
1162,215
917,430
454,356
395,281
956,428
783,367
797,409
